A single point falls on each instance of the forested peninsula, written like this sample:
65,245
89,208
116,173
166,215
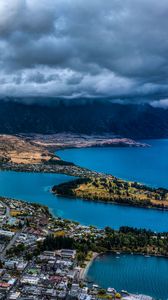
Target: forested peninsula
111,189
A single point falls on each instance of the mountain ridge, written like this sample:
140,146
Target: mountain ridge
92,117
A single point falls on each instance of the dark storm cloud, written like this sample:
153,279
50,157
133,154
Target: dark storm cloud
90,48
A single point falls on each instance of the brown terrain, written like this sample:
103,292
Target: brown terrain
19,150
37,149
69,140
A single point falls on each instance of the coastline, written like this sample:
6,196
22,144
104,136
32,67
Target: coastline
84,271
60,141
98,285
70,170
75,172
165,209
93,255
88,263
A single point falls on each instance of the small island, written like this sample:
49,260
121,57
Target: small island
110,189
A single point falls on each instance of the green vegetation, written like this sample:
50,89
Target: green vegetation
111,189
55,243
136,240
54,161
126,239
16,250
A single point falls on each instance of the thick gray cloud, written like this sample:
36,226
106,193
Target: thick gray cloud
74,48
162,103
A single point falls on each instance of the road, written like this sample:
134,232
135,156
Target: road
14,238
9,245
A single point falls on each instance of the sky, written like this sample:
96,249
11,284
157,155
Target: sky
85,48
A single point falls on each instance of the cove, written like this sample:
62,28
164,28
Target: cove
35,187
134,273
147,165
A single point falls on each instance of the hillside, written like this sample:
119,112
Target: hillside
19,150
132,121
111,189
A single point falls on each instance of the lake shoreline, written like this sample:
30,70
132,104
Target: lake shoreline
97,273
74,171
83,272
114,203
73,175
113,191
95,255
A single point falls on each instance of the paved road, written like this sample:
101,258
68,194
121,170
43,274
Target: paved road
13,239
9,245
7,212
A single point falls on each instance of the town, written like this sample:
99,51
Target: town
32,266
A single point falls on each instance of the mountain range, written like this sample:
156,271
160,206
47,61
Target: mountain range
91,117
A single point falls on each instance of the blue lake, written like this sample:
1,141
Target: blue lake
147,165
135,273
35,187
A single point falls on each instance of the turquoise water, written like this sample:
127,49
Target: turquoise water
146,165
135,273
35,187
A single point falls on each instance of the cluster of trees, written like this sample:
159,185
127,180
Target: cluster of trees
136,240
68,187
126,239
16,250
4,160
53,161
103,189
133,201
60,242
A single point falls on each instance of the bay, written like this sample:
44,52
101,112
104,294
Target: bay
147,165
36,187
134,273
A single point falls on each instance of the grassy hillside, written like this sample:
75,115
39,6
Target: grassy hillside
110,189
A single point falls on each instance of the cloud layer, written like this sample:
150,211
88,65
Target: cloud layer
75,48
